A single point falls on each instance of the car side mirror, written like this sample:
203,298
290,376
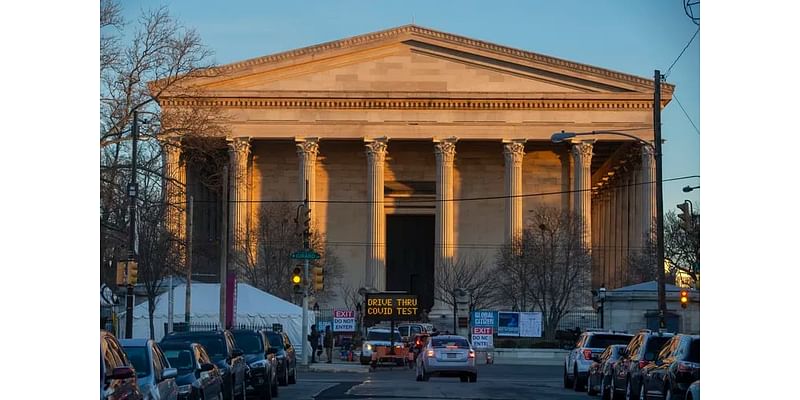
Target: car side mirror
206,367
122,373
169,373
272,350
237,353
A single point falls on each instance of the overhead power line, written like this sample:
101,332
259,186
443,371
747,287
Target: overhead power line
682,51
686,114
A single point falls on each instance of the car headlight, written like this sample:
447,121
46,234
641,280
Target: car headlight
368,346
185,389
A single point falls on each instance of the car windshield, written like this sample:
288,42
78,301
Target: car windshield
654,345
382,336
461,343
138,359
603,341
250,343
180,358
214,346
694,351
403,330
275,340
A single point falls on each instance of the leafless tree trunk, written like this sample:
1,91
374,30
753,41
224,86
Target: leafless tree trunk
681,253
471,274
547,269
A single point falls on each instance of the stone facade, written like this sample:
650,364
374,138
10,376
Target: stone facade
407,120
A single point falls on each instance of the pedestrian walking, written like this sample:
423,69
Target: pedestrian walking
328,342
313,339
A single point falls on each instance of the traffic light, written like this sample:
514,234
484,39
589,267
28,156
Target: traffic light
685,216
684,298
297,277
303,220
319,279
133,272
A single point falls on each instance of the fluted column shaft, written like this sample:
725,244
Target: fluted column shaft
239,151
376,219
648,191
445,155
514,153
582,155
175,187
307,150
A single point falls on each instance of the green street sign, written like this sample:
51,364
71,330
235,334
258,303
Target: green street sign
305,255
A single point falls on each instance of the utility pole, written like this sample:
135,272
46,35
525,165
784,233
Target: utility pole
188,307
305,286
662,299
132,193
171,308
223,264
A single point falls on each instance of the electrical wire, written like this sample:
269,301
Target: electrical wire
669,70
686,114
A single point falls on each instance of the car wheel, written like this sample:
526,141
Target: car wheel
668,394
603,391
273,387
590,386
463,378
293,376
425,375
567,382
243,394
630,393
473,378
576,380
283,380
642,392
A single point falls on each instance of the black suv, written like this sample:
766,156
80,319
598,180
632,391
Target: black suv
221,347
641,351
261,375
284,355
677,366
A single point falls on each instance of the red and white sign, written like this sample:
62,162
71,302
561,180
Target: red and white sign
481,330
344,321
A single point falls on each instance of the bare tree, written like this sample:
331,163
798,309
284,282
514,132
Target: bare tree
268,265
681,253
471,274
162,51
547,268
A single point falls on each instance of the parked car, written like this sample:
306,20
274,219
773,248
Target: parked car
155,376
694,391
221,347
378,337
198,377
599,379
677,366
578,361
284,355
409,331
117,375
640,352
261,375
447,355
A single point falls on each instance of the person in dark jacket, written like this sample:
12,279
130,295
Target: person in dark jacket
328,342
314,339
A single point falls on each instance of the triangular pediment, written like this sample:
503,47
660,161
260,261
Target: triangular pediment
415,59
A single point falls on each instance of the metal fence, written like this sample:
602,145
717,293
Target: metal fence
580,319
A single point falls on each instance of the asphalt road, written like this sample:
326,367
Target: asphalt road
501,382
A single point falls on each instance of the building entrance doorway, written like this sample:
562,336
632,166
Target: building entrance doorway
409,256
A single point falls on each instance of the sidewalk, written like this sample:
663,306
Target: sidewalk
336,365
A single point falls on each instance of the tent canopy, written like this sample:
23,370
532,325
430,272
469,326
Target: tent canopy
253,306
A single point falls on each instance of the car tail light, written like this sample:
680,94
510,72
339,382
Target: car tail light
643,363
587,354
431,353
472,354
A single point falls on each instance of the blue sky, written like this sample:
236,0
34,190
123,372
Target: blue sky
634,37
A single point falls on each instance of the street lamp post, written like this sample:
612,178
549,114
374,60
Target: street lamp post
601,294
560,137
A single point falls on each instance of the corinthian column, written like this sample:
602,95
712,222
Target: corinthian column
239,151
445,151
307,150
513,151
376,230
175,187
582,156
648,191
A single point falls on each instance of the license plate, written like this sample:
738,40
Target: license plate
451,355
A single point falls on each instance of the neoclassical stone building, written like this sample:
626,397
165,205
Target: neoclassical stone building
387,127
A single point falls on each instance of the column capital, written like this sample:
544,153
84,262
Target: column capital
239,144
307,146
376,149
514,150
445,149
582,150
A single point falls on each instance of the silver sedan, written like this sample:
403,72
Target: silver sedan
447,355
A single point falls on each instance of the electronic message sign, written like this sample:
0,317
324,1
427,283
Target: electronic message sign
391,306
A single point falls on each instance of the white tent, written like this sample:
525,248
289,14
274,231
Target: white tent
253,306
